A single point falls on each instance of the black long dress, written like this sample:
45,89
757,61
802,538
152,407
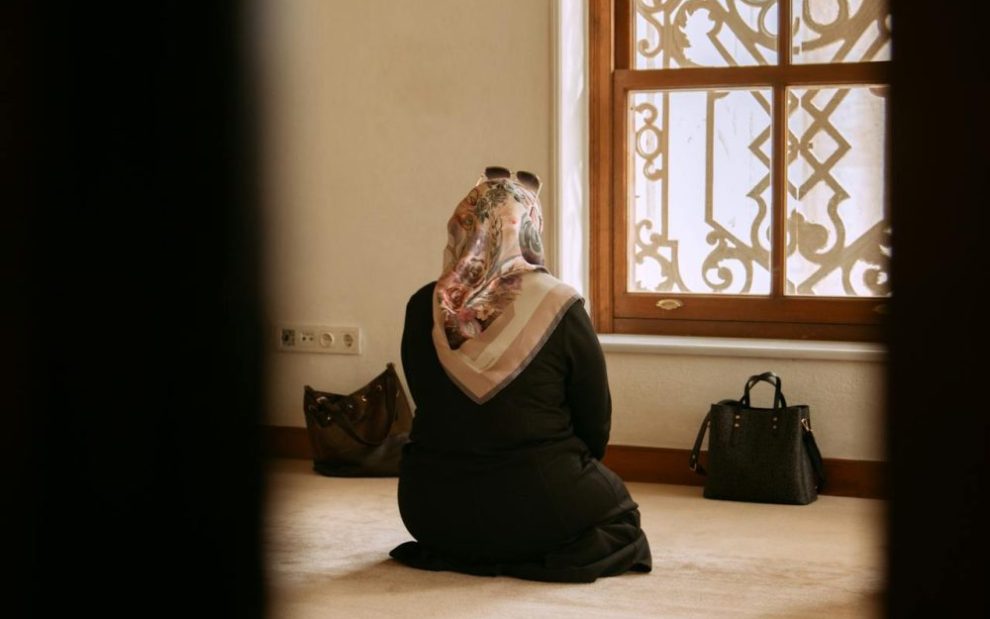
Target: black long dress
515,486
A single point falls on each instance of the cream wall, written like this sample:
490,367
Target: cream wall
378,117
660,400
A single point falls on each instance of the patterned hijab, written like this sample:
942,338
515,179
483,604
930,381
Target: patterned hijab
495,303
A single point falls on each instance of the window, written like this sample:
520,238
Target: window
739,157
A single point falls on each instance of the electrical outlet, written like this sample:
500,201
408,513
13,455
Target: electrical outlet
319,339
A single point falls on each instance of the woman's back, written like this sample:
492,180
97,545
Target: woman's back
534,409
502,474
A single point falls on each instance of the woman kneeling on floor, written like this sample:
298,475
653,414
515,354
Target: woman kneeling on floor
503,473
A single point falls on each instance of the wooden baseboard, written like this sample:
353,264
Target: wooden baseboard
285,442
853,478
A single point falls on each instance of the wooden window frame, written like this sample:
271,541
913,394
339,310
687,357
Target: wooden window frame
614,309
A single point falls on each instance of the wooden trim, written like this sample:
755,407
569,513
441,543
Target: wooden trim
285,442
600,63
785,35
739,307
659,465
765,75
623,34
853,478
780,129
619,267
761,317
744,329
753,308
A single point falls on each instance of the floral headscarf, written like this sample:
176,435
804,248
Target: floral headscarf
493,238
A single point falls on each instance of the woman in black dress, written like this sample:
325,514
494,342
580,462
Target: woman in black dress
503,473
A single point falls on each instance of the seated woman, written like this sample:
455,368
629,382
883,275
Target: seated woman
503,473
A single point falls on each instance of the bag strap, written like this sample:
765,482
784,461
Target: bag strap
767,377
341,419
693,463
814,454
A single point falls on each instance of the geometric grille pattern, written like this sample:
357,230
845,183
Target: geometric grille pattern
700,179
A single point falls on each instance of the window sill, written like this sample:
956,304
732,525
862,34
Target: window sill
739,347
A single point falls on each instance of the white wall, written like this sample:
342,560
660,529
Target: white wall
378,118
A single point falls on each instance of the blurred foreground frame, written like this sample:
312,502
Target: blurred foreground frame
134,455
128,149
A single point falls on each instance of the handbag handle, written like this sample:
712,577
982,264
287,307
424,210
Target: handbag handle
344,422
767,377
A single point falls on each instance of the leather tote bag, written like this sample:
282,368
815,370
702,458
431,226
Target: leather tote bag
763,455
360,434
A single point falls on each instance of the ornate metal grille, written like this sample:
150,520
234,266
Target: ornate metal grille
707,153
833,31
672,34
838,230
700,177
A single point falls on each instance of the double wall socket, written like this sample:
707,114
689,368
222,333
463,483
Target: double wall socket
319,339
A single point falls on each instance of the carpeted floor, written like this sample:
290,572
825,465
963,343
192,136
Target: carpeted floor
327,542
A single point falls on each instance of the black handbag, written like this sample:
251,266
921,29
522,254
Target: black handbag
360,434
764,455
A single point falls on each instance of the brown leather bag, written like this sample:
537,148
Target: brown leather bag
360,434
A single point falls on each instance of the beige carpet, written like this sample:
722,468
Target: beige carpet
328,541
